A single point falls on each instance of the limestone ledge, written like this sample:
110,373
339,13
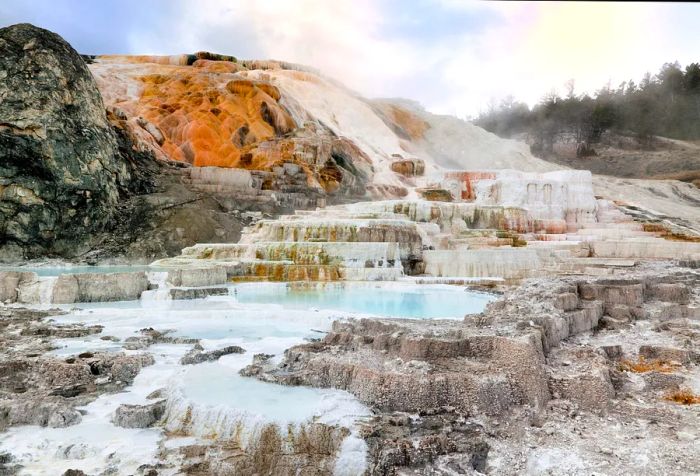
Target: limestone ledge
29,288
561,195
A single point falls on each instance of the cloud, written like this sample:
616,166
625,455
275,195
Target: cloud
343,38
539,46
535,47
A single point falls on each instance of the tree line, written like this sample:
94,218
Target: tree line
666,104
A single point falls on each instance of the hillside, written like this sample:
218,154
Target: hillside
453,143
259,114
623,156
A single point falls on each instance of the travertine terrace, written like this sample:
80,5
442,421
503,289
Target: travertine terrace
559,366
500,224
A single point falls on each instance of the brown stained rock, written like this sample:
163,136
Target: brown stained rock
668,292
619,312
408,372
609,323
662,381
197,116
401,120
567,301
208,117
591,390
612,292
436,194
408,167
437,437
663,353
310,449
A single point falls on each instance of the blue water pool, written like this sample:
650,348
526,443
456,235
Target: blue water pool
388,299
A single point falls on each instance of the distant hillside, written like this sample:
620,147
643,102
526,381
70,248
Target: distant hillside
623,156
618,131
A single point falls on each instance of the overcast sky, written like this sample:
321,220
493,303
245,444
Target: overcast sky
453,56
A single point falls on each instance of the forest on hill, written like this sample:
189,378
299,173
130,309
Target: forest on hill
665,104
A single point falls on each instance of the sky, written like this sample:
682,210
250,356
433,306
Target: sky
453,56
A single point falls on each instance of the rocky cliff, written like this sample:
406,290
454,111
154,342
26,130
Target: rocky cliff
62,166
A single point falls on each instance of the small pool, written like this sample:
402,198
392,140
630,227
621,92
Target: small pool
386,299
216,387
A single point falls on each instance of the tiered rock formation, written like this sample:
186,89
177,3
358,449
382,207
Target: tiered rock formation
303,134
506,224
315,142
273,137
299,249
209,110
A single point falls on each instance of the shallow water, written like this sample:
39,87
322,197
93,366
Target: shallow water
261,318
386,299
390,299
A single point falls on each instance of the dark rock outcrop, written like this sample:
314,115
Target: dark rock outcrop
62,165
197,293
197,355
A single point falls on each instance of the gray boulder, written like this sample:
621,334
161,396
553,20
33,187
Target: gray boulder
53,412
97,287
139,416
